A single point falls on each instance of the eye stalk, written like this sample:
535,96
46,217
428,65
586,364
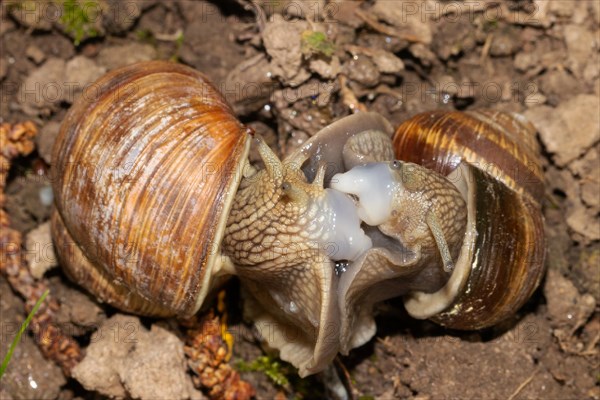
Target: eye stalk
294,193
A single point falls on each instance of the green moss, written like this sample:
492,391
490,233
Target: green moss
179,40
314,42
76,19
490,25
270,366
284,376
145,36
178,46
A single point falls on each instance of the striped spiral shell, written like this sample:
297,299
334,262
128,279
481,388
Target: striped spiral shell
157,137
508,262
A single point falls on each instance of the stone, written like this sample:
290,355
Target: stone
45,140
583,221
588,170
581,44
590,193
78,313
35,54
570,129
566,306
387,62
526,60
156,371
126,359
119,56
422,52
362,70
122,15
328,69
43,89
249,85
40,250
81,72
505,42
559,85
36,15
283,42
109,346
405,15
207,26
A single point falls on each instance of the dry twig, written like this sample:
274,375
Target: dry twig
17,140
522,385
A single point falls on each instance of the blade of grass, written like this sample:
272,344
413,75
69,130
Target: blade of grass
18,337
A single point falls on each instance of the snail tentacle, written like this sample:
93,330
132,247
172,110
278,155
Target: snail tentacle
438,235
283,238
273,164
319,179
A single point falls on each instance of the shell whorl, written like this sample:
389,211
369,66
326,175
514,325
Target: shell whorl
144,175
499,143
509,249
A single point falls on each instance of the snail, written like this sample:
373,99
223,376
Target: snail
156,205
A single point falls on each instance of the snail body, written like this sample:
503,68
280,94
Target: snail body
507,171
156,205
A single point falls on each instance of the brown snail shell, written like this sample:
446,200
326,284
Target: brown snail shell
148,178
499,143
508,262
156,137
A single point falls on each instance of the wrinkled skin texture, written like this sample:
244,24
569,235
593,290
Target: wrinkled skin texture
298,301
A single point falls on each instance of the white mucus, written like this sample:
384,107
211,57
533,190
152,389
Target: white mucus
338,222
374,186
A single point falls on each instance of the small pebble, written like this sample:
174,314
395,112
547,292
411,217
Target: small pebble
40,251
35,54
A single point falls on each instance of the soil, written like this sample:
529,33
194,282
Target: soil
399,58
